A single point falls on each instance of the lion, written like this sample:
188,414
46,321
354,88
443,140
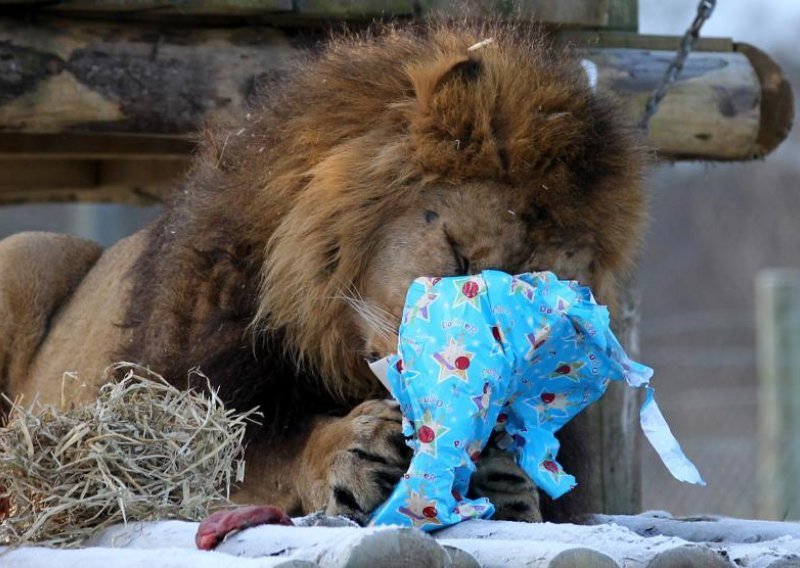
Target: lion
281,264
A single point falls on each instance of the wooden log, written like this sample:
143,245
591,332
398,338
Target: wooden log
713,112
100,78
73,77
777,102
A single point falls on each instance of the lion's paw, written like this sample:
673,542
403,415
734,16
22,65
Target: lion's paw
507,486
374,458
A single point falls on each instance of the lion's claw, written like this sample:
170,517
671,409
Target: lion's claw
365,471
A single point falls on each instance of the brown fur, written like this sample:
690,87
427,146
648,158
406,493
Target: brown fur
284,261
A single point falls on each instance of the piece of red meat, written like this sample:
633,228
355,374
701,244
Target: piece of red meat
218,525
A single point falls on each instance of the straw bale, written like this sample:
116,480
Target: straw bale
143,450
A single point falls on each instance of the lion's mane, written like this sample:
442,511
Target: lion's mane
278,217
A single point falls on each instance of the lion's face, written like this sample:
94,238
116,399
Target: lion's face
463,230
423,158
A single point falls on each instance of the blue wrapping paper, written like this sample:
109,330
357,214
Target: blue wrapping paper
518,354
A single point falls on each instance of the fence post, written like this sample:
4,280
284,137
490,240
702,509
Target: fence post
622,486
778,342
615,444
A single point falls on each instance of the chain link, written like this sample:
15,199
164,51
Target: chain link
704,11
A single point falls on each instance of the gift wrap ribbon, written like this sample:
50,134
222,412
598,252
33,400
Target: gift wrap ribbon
518,354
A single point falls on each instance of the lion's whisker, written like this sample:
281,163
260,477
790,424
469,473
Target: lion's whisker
376,318
389,316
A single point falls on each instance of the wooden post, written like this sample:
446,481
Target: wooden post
613,424
778,339
621,433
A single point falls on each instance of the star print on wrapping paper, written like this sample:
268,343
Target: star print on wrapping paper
521,288
421,510
547,402
429,433
453,361
402,366
562,305
483,401
552,467
469,292
536,339
567,371
499,335
421,308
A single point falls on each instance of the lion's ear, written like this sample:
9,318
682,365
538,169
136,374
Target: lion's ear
431,81
451,117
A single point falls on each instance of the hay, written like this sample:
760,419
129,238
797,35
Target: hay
143,450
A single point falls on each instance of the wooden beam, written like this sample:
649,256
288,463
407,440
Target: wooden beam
60,77
138,182
68,145
598,39
623,15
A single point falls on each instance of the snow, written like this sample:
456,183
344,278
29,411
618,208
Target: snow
627,541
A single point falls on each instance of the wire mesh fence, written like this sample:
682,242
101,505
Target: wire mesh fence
708,388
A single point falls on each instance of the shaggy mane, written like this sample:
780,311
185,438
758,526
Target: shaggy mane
326,158
375,118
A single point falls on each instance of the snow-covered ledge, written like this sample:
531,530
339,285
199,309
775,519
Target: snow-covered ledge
653,540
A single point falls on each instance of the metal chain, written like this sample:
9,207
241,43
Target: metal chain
704,11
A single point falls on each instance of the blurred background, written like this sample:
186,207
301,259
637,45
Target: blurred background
714,227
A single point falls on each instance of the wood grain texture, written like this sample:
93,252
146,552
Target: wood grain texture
156,81
713,111
104,78
777,100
